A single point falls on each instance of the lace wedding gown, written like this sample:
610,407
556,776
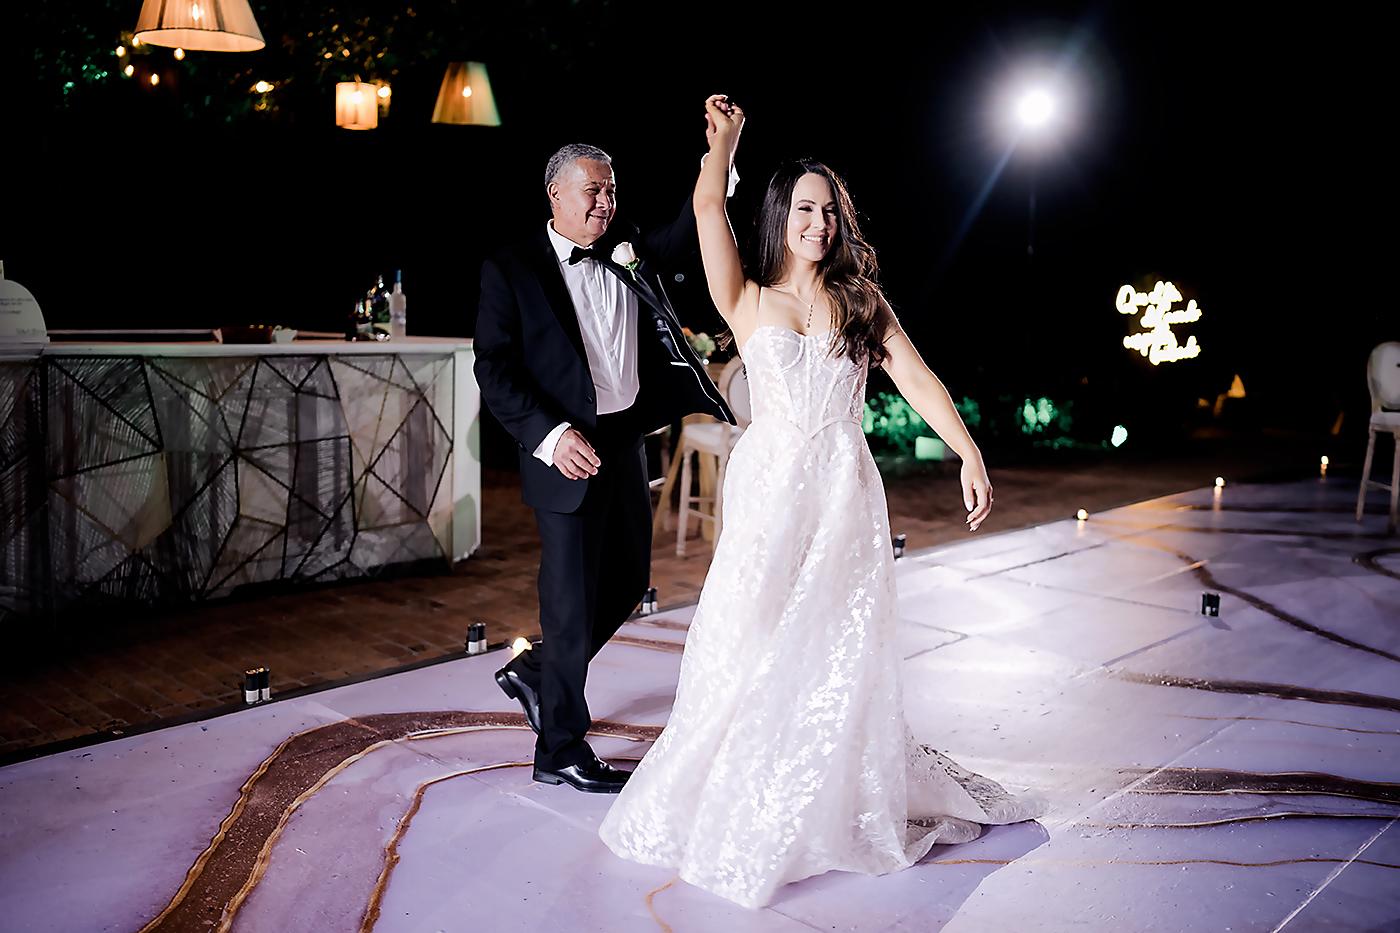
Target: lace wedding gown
787,753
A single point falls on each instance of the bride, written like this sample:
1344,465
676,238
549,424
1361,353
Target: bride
787,753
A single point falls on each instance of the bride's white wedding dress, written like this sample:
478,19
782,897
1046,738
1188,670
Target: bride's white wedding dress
787,753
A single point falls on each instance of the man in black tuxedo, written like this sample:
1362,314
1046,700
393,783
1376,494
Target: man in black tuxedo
579,354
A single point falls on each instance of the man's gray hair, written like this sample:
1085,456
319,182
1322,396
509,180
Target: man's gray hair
570,154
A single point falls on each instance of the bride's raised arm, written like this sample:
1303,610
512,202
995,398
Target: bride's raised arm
724,271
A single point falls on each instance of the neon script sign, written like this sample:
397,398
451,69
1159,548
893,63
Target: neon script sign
1157,341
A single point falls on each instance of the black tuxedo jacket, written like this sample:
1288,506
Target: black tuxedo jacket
531,365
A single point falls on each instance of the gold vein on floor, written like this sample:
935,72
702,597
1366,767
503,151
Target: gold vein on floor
1087,863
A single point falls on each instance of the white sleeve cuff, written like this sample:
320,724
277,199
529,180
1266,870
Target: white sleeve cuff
545,452
733,176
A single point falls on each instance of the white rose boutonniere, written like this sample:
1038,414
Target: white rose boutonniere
624,255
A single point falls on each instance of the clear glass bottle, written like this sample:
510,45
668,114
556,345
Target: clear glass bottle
398,309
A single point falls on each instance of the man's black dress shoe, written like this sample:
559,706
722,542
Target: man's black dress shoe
591,777
515,687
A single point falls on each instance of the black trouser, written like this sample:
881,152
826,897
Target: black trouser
594,568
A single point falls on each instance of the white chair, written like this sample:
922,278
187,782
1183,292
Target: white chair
1383,379
714,439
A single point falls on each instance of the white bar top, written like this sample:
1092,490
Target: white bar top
326,347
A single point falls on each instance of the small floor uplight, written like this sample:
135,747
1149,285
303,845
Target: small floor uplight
1325,463
1220,482
1082,515
519,646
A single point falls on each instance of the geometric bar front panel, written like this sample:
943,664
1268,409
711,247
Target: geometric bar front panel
172,479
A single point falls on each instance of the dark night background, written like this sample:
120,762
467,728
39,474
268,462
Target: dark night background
1214,147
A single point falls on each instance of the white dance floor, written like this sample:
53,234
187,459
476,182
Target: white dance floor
1235,773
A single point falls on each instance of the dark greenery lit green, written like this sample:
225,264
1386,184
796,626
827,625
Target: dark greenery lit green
892,425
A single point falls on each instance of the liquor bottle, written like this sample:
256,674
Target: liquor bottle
378,300
398,309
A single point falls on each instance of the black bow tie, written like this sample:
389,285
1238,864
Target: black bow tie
579,254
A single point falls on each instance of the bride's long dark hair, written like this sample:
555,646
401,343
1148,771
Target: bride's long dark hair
849,271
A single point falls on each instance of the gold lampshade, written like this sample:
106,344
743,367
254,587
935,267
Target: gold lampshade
465,96
205,25
356,105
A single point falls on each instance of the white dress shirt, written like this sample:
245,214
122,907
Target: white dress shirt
607,319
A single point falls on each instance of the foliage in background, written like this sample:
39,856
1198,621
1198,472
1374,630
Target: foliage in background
891,424
70,47
702,344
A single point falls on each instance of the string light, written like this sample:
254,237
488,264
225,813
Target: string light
179,55
155,79
262,87
121,51
129,70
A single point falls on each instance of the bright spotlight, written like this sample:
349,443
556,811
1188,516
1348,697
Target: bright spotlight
1035,108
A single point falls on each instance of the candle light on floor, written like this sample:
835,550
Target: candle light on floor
1082,515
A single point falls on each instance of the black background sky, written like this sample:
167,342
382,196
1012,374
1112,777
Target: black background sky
1225,147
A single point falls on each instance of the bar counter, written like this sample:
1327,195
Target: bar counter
152,473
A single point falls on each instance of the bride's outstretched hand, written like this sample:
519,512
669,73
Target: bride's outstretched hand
977,492
723,122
